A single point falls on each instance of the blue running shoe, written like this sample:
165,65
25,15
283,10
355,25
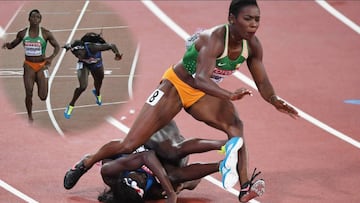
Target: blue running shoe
231,152
68,111
229,177
98,98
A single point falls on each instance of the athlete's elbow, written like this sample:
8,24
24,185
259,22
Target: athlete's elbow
199,83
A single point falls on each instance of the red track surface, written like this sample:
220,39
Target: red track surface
311,58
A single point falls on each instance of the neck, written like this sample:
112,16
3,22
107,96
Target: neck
234,37
32,26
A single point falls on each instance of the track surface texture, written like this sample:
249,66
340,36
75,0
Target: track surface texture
311,57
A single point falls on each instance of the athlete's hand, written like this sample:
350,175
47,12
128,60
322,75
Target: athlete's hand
283,107
118,57
240,93
5,45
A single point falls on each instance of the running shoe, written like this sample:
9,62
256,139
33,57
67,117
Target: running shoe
251,190
98,98
229,177
231,152
68,111
73,175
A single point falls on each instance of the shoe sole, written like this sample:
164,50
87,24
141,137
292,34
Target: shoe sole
256,190
229,179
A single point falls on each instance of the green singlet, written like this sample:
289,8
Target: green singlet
224,65
34,46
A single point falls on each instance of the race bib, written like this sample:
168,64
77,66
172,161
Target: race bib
155,97
79,65
46,73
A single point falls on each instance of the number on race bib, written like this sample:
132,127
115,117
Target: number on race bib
155,97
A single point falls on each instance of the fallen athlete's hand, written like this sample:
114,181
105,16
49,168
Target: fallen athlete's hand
240,93
283,107
67,46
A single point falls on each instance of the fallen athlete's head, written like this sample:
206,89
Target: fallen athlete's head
125,190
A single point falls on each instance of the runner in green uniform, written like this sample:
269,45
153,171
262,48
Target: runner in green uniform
36,64
192,84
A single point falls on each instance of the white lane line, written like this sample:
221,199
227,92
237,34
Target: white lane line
13,18
338,15
169,22
118,124
77,107
132,72
17,192
306,116
56,68
2,33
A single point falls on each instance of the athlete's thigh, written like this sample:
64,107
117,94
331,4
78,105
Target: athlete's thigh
160,108
42,78
216,112
83,76
28,77
98,74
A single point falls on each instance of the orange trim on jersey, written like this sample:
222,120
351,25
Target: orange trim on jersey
188,95
36,66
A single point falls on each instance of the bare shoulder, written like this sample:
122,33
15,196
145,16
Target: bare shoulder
46,33
255,46
22,33
213,38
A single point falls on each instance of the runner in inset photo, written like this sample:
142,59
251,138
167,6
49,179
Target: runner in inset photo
88,52
36,65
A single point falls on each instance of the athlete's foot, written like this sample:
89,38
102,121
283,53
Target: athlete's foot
68,111
229,177
251,190
231,153
30,119
97,97
73,175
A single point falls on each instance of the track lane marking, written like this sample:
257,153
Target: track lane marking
17,192
56,68
338,15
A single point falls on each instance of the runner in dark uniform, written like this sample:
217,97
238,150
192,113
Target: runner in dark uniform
89,61
131,181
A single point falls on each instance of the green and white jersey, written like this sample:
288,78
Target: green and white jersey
224,65
34,46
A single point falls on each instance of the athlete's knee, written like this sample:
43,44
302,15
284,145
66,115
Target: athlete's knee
82,88
28,94
105,170
43,96
106,174
173,153
235,128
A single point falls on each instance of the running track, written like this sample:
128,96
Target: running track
311,58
